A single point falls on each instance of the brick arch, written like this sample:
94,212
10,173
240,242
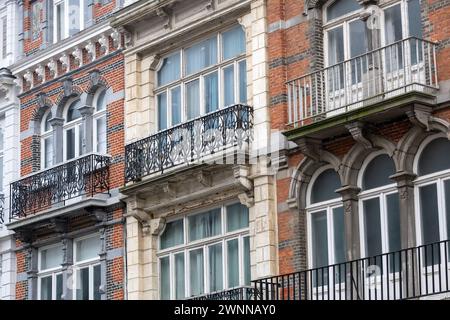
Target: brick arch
69,91
96,82
44,103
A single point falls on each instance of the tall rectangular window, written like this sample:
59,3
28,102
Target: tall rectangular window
50,281
4,36
36,8
87,268
59,25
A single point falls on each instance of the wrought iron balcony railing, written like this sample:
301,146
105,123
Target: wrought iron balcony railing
401,67
2,208
189,142
84,176
241,293
405,274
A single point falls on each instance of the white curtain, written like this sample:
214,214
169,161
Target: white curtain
162,111
233,42
228,79
233,263
215,268
196,272
165,278
176,105
88,248
193,99
201,55
179,276
170,70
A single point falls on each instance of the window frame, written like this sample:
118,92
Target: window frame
3,35
312,208
77,126
53,272
66,31
98,114
200,75
188,246
45,135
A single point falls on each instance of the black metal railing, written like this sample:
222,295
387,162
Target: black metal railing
241,293
405,274
84,176
2,208
189,142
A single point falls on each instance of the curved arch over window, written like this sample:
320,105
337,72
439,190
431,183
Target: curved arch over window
433,194
325,214
46,141
72,112
73,131
434,157
99,134
340,8
379,208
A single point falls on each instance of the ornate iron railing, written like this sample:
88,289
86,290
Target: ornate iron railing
84,176
241,293
2,208
189,142
406,274
401,67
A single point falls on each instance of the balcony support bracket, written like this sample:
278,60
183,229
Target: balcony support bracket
309,147
241,174
358,130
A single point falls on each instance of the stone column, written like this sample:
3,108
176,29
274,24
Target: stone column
57,124
67,271
408,235
88,124
103,265
32,261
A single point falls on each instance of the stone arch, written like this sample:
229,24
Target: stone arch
70,90
96,82
44,103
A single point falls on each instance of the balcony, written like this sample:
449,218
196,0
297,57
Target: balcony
241,293
60,185
406,274
190,142
364,85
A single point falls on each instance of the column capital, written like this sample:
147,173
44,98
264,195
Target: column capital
403,178
56,122
349,192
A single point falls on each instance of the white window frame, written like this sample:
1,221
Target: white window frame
45,135
53,272
3,35
199,75
204,243
77,125
437,178
88,263
381,193
65,32
97,115
2,159
312,208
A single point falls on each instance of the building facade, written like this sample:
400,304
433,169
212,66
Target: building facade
360,91
201,220
65,212
9,134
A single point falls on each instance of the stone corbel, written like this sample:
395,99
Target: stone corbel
104,44
53,68
65,62
68,87
77,54
169,188
28,79
210,5
40,73
128,40
247,199
58,225
90,49
205,178
116,37
164,13
420,115
309,147
358,131
241,174
153,226
292,203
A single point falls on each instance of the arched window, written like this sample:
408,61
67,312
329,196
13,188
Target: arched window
99,134
325,220
73,131
46,141
433,190
379,207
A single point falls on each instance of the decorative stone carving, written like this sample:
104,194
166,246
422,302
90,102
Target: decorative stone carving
28,78
357,130
127,38
68,87
104,44
309,147
53,68
164,13
210,5
154,226
205,178
116,37
420,116
77,54
40,73
247,199
65,62
90,49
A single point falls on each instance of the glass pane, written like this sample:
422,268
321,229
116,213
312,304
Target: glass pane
233,263
97,282
48,152
434,157
83,284
59,286
372,227
74,16
201,55
237,217
205,224
335,46
393,218
60,23
233,42
51,258
80,139
87,13
429,213
393,33
378,172
341,7
247,270
211,92
46,288
358,46
173,234
243,82
228,84
101,101
447,206
101,135
88,248
193,99
165,278
196,272
339,235
179,276
215,268
415,30
325,186
73,112
176,105
170,69
162,111
319,235
48,126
